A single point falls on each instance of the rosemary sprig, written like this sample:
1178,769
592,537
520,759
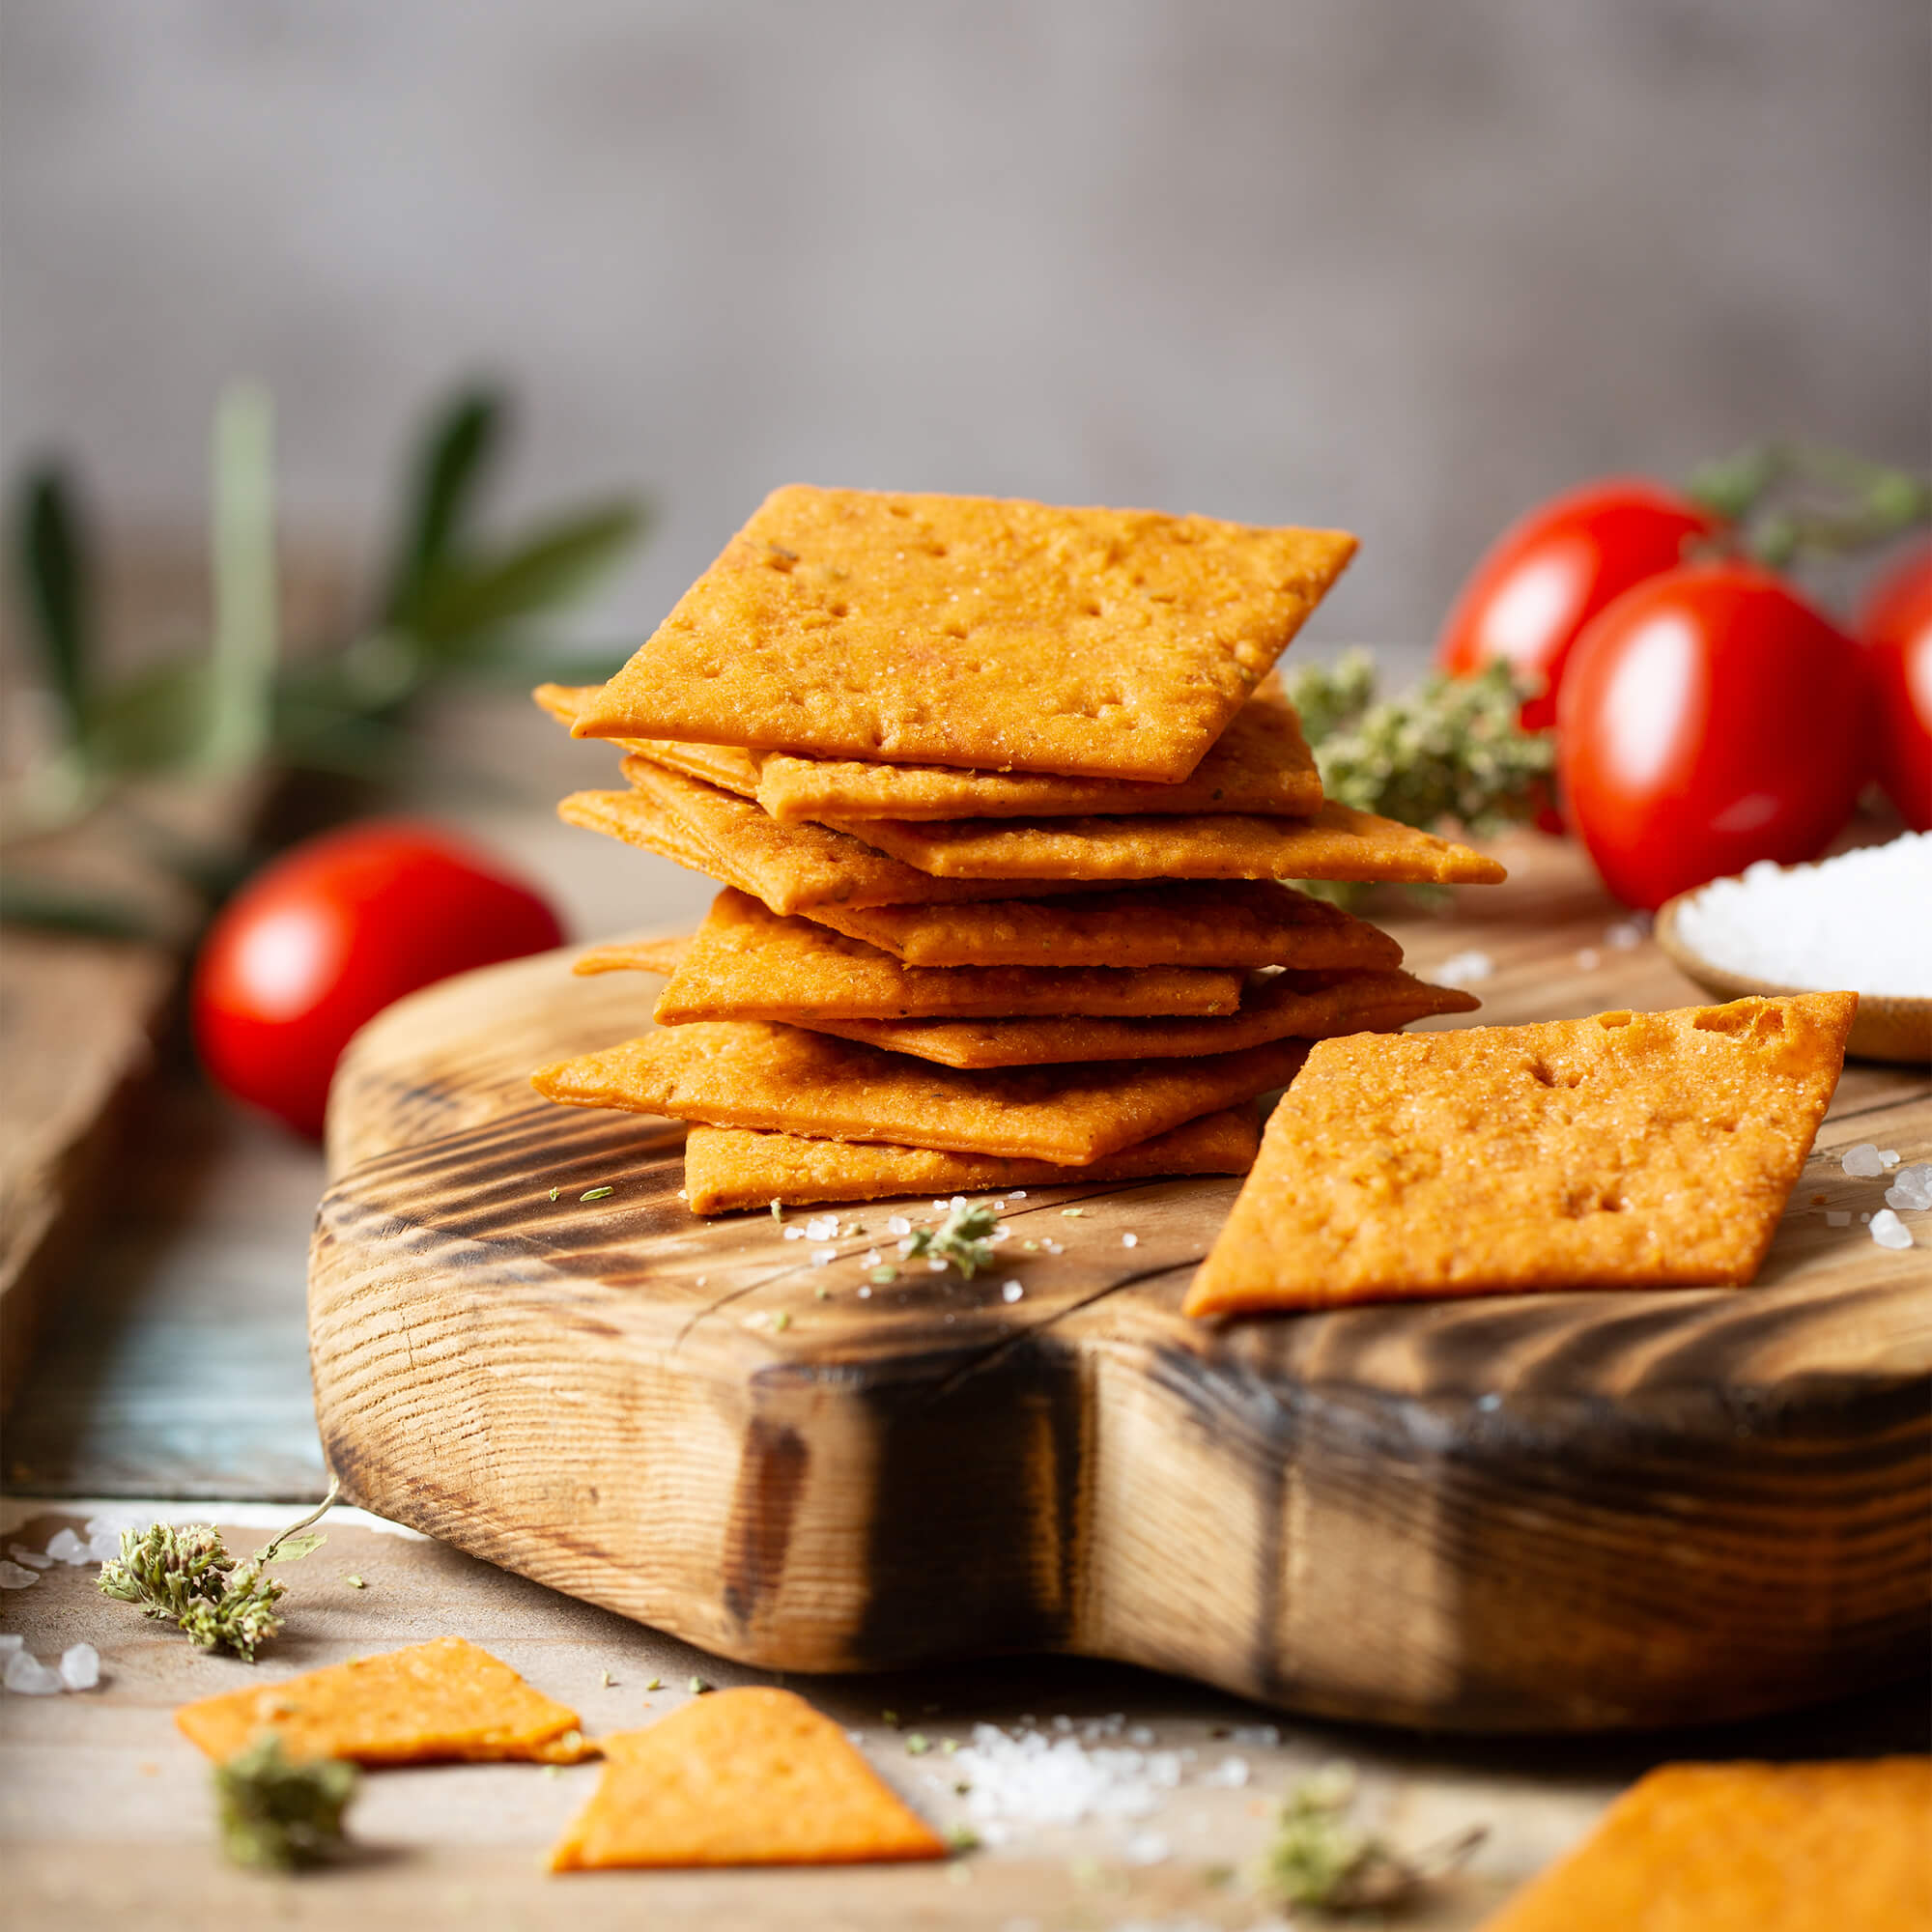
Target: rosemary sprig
1321,1858
963,1238
183,1574
278,1813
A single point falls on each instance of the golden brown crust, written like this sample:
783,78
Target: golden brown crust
1629,1151
748,1073
726,1169
727,766
965,631
748,963
1282,1005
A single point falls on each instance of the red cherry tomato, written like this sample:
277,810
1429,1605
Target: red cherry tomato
1709,719
1897,625
1550,572
329,935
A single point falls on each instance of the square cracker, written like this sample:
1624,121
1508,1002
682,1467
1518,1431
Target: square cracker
1338,843
750,1073
751,1777
1282,1005
1243,922
749,963
431,1703
1768,1847
1627,1151
728,1168
1260,763
727,766
968,631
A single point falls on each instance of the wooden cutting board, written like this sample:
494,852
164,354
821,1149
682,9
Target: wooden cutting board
1558,1512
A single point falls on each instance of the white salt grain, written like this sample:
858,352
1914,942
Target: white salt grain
26,1675
1911,1186
1231,1772
10,1642
1019,1194
1146,1848
1465,969
1863,1162
1010,1291
897,1224
1860,922
34,1559
794,1232
16,1576
865,1294
935,1267
824,1228
65,1547
80,1666
1130,1240
1888,1231
1889,1156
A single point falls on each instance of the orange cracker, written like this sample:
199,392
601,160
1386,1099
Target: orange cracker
1338,843
633,955
750,1073
1748,1848
1260,763
727,765
434,1701
964,631
1282,1005
1244,923
748,963
1627,1151
753,1777
727,1168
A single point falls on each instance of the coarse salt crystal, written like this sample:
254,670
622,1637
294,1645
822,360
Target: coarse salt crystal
1018,1194
1863,1162
865,1294
65,1547
1888,1231
794,1232
1465,969
897,1224
1911,1186
1890,1155
34,1559
936,1268
870,1258
16,1576
1231,1771
824,1228
26,1675
1146,1848
80,1666
1010,1291
821,1256
10,1641
1130,1240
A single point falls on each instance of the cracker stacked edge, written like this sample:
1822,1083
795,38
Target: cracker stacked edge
1001,797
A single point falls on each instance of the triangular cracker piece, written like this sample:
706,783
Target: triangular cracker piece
1245,923
431,1703
1627,1151
1338,843
964,631
748,963
1748,1848
633,955
753,1777
727,765
1282,1005
1260,763
748,1073
727,1168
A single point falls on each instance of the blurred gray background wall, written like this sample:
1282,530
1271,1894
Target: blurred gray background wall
1399,265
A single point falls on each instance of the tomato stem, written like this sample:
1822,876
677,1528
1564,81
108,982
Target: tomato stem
1789,500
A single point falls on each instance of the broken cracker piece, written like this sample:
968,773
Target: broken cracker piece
1280,1005
1626,1150
1756,1847
750,1073
431,1703
966,631
728,1168
748,963
753,1777
633,955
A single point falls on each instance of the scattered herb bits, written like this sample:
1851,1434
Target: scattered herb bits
277,1813
596,1193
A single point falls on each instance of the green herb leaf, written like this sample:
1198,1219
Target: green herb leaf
448,471
245,644
277,1813
962,1238
1319,1857
596,1193
53,907
55,585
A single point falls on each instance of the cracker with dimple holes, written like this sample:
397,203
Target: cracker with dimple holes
1627,1151
964,631
1338,843
1747,1848
728,1168
748,963
753,1777
727,765
1260,763
1243,922
431,1703
752,1073
1282,1005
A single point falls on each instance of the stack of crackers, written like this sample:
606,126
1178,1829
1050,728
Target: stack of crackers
1003,798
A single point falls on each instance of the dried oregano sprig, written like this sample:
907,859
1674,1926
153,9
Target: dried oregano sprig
1320,1858
278,1813
963,1238
183,1574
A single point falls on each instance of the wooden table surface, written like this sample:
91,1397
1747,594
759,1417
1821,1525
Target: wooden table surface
176,1373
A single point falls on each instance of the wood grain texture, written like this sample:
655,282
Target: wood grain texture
1560,1512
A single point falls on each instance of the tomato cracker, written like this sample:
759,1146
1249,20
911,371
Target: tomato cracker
748,1073
1282,1005
1755,1847
753,1777
965,631
1626,1150
633,955
748,963
728,1168
433,1703
727,766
